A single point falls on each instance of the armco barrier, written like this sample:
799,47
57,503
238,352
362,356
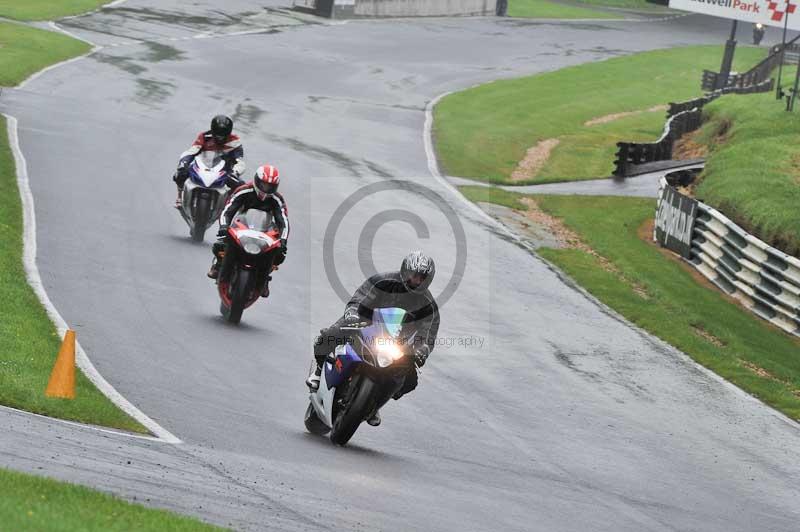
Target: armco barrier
764,279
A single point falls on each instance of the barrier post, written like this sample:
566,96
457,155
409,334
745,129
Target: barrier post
727,58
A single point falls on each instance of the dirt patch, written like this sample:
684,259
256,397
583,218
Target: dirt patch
534,159
687,147
764,374
707,336
567,238
616,116
761,372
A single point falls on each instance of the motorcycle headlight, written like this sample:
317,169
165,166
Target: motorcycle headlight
387,354
251,246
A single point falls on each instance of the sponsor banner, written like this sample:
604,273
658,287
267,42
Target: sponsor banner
767,12
675,221
307,4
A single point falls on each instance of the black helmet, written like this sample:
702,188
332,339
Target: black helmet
221,127
417,271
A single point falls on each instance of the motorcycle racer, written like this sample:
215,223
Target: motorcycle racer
261,194
220,139
406,289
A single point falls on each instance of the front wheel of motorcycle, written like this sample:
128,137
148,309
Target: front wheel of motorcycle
201,215
314,424
241,285
350,417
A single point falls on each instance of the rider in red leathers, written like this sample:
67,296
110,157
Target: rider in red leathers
220,139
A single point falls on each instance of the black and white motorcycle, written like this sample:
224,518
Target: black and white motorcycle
204,193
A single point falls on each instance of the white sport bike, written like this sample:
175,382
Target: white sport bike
204,193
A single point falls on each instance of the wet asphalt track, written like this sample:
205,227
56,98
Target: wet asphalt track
564,419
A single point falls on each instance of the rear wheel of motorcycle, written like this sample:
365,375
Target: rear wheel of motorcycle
314,424
200,217
350,417
241,285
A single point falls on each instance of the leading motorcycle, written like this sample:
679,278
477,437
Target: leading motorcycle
247,261
361,375
204,194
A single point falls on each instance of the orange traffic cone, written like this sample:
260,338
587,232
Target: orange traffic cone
62,379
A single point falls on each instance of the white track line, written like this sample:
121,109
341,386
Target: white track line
78,424
35,281
433,168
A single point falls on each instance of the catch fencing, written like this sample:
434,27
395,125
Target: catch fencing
683,117
764,279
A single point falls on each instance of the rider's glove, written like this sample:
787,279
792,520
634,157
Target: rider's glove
182,174
421,355
351,315
223,231
283,246
233,181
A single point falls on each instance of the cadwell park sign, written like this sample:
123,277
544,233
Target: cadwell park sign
766,12
675,217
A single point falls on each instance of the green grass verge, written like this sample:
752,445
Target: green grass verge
545,9
483,132
28,340
46,9
753,175
34,503
25,50
661,295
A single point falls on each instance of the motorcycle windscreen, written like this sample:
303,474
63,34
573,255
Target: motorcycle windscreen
255,219
211,160
386,323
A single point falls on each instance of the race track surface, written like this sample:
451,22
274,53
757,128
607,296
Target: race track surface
558,417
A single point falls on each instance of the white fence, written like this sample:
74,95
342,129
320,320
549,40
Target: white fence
764,279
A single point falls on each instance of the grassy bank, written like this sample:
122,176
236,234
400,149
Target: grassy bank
34,503
46,9
545,9
753,171
25,50
664,296
28,340
484,132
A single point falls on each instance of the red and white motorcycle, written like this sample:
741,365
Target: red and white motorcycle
247,261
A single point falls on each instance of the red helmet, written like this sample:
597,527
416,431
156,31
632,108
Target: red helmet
266,180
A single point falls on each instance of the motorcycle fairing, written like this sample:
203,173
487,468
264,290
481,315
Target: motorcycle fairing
208,171
322,399
342,367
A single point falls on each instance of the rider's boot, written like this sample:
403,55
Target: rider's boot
375,419
265,290
313,380
213,273
179,199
